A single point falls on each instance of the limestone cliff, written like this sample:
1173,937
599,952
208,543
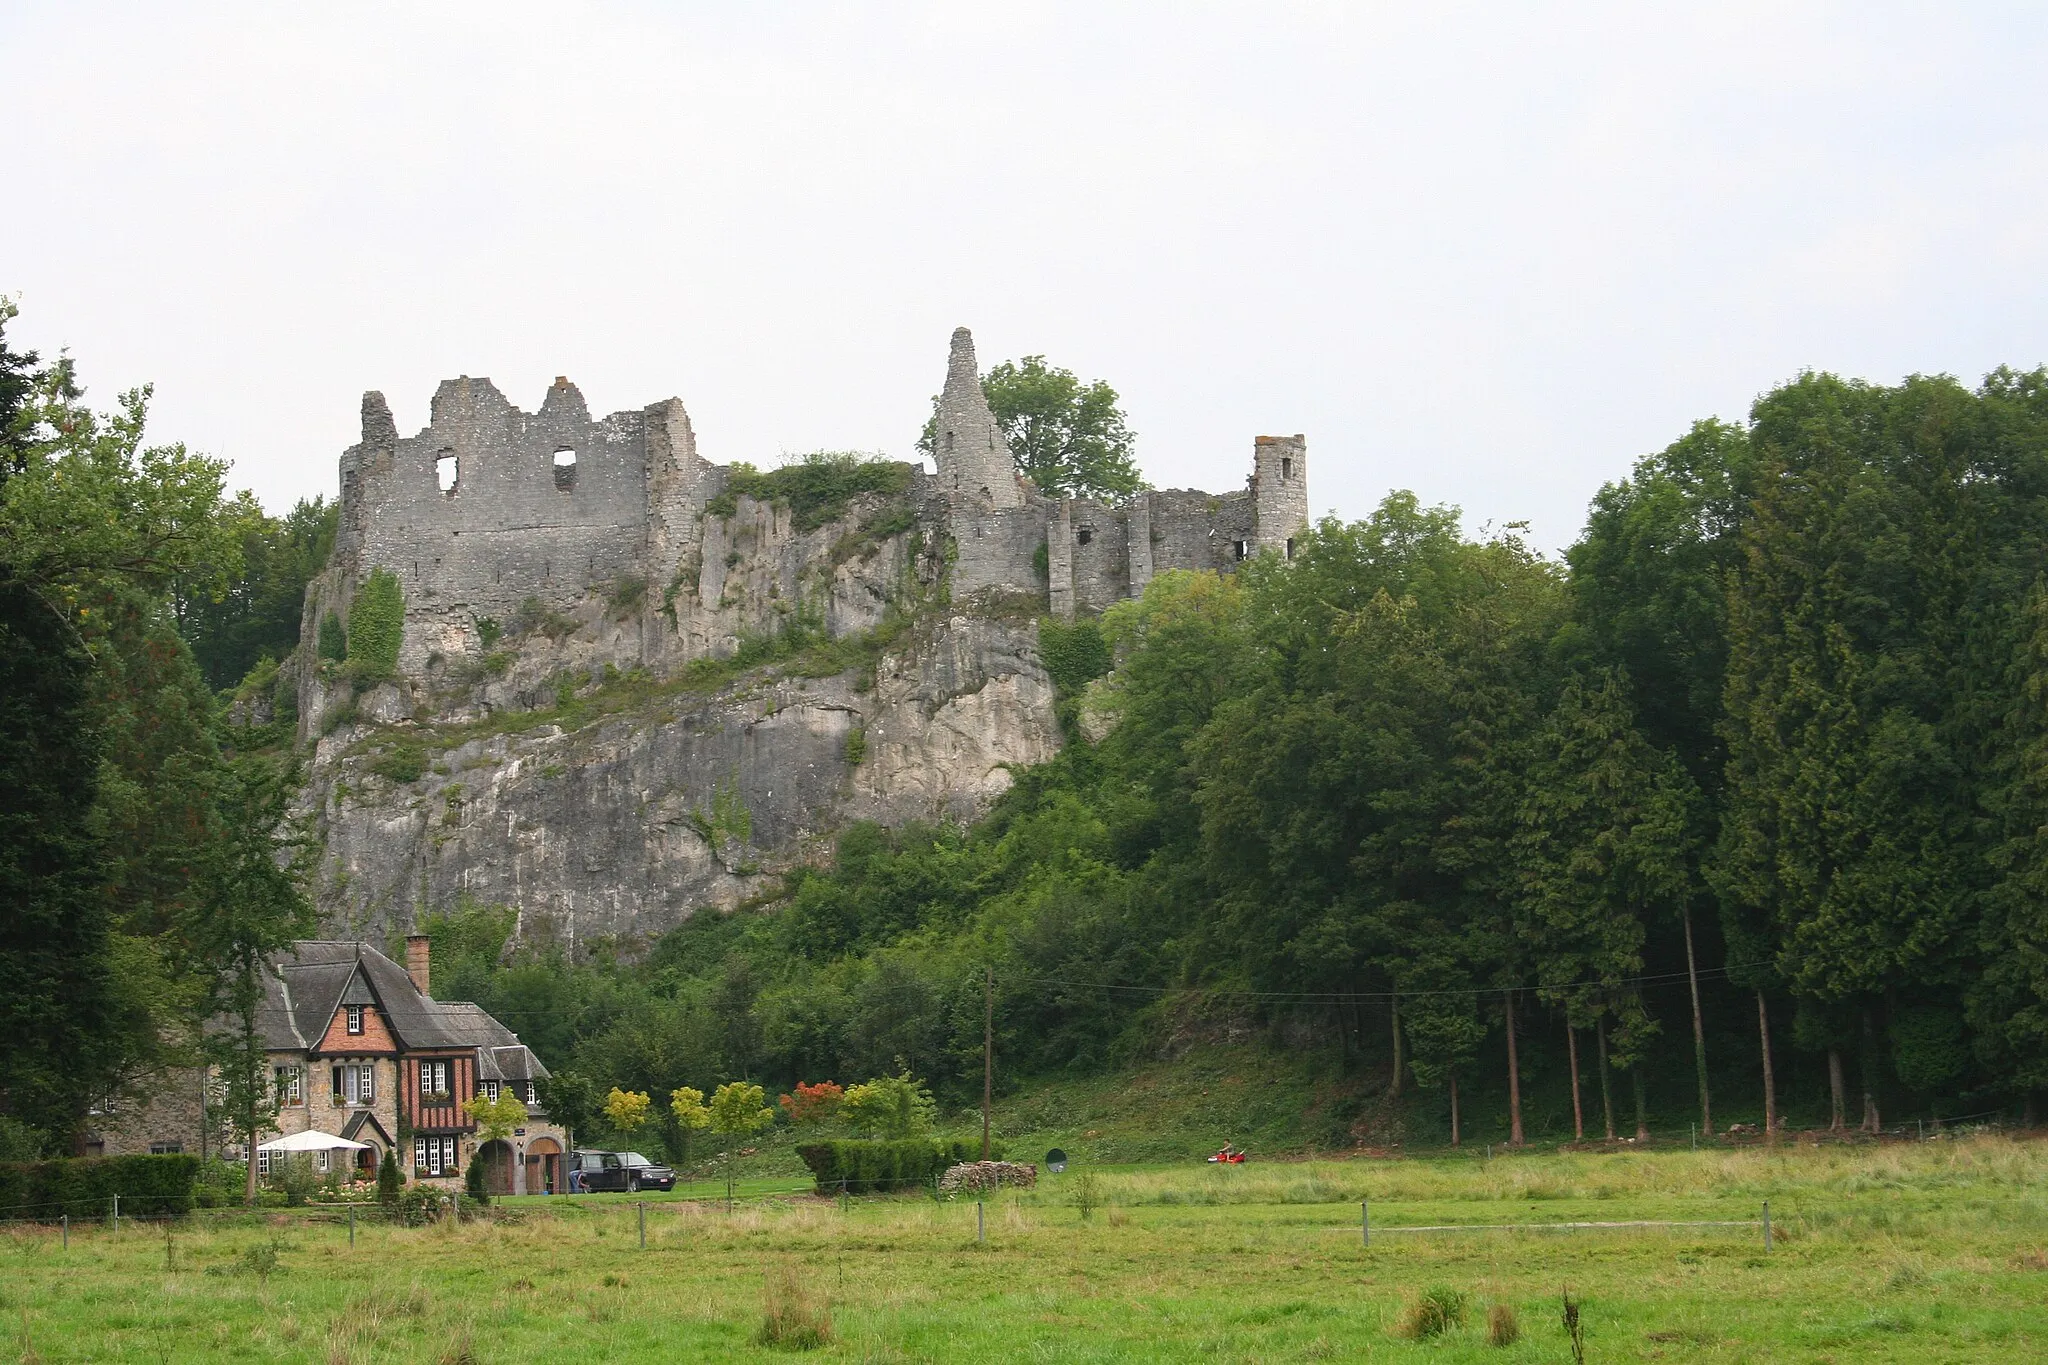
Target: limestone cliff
622,822
615,683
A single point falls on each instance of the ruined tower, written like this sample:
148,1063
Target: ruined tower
1279,486
973,459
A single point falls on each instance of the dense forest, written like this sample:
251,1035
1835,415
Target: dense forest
1740,810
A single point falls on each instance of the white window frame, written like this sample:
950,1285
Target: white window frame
321,1159
434,1078
433,1156
262,1163
354,1020
530,1099
490,1090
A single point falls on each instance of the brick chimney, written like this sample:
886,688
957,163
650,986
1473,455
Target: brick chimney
417,947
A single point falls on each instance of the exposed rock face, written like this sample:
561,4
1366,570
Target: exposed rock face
559,734
627,825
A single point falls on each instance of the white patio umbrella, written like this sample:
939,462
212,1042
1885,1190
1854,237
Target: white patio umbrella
312,1140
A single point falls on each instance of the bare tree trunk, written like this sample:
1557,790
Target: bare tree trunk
1454,1109
1699,1033
1606,1092
1514,1079
1642,1104
1869,1074
1763,1028
1835,1088
249,1155
1394,1011
1571,1038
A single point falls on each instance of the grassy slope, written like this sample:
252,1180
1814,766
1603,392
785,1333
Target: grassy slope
1895,1254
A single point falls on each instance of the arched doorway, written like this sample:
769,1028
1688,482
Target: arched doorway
496,1156
543,1166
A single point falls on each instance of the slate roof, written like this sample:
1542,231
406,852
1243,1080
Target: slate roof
313,978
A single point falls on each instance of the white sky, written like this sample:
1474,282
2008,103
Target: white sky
1490,253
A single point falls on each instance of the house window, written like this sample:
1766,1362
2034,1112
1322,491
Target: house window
320,1160
529,1094
434,1079
262,1163
355,1020
433,1156
166,1148
355,1085
289,1084
490,1090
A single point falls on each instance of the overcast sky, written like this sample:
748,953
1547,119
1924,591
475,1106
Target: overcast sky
1489,253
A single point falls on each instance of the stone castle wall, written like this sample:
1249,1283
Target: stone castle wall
591,571
491,511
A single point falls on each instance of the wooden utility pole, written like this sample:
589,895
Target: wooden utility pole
1699,1033
988,1050
1514,1074
1763,1024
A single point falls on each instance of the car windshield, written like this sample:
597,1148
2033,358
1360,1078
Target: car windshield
635,1159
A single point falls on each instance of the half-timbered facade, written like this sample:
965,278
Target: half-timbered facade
358,1047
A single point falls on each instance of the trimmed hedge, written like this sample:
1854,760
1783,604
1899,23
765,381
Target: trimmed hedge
85,1187
868,1167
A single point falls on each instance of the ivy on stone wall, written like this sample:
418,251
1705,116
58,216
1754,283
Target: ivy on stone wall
376,625
1074,653
333,639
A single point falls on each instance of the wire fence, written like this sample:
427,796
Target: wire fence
414,1210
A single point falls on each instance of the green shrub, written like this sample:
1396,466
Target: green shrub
473,1182
856,746
376,626
85,1187
403,762
815,488
417,1206
488,631
294,1178
627,593
537,617
389,1180
1074,653
886,1167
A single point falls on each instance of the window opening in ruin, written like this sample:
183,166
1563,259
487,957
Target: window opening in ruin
949,443
445,471
1286,468
1290,547
1242,547
1087,534
565,469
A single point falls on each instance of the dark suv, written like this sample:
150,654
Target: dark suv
621,1171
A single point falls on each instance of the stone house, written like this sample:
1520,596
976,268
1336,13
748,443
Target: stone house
357,1047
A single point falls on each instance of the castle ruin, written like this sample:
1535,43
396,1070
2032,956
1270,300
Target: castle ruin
557,736
490,509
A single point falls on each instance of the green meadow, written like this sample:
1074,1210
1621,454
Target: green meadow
1913,1252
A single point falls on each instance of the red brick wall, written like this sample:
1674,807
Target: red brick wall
448,1113
375,1037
